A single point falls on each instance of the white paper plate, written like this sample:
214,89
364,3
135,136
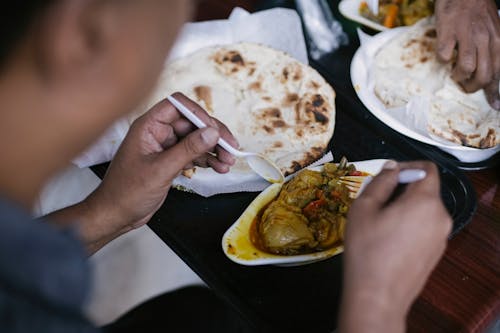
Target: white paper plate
238,247
350,9
360,69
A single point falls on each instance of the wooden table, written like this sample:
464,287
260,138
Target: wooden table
463,293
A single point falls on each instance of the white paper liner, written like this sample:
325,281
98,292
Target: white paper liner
412,122
204,180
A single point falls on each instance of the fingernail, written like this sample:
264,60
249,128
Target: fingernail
210,136
496,105
390,165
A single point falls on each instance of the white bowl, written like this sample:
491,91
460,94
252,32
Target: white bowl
238,247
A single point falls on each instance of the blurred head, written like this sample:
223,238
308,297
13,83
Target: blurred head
69,68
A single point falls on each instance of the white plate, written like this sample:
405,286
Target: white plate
360,70
238,247
350,9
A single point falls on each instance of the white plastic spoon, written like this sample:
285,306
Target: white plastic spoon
259,163
373,5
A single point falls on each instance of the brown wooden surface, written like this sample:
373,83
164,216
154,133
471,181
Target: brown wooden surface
463,293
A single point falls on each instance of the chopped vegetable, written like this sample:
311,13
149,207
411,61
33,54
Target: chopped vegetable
394,13
391,16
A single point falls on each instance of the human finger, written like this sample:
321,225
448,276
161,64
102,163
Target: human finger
196,144
380,189
224,132
188,166
446,43
223,155
430,184
484,69
217,165
467,57
492,94
196,109
183,127
156,123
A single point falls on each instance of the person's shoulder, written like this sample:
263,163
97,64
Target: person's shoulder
43,272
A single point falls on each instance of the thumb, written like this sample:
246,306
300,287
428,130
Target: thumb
197,143
493,94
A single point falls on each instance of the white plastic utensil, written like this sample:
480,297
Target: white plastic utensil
411,175
259,163
358,183
373,6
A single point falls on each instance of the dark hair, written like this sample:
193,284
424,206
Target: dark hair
18,17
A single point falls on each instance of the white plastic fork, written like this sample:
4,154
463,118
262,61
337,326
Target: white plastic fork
373,6
356,184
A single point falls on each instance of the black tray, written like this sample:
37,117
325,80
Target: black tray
301,298
304,298
292,299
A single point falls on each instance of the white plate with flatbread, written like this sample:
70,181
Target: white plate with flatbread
390,95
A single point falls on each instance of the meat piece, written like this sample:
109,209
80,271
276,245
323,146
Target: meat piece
284,229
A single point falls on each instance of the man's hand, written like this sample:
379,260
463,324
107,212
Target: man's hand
158,146
391,247
473,28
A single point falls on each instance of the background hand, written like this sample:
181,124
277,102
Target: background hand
391,248
158,146
473,29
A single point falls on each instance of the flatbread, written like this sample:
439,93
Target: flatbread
272,103
408,67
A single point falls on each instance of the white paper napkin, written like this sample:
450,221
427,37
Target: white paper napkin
204,180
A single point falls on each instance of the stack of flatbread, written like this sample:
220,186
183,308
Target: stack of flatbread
272,103
407,66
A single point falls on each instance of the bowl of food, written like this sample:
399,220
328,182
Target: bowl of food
300,221
391,13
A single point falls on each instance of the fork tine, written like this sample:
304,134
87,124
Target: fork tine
355,184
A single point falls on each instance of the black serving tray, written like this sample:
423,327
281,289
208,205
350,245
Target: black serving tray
294,299
304,298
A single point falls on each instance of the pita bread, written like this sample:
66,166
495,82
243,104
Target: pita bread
407,67
272,103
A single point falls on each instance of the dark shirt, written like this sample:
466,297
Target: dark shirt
44,275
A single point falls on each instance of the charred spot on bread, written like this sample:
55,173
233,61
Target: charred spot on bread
255,86
230,61
279,124
268,129
489,140
290,99
431,33
204,93
318,100
292,71
285,73
314,84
